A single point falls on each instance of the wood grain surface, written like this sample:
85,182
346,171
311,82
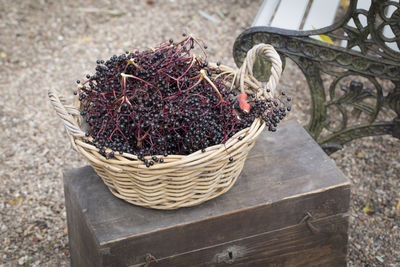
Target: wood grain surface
291,246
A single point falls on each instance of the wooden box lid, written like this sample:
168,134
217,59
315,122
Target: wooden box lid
286,175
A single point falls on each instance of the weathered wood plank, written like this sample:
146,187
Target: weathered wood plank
321,14
82,244
227,227
289,14
264,15
292,246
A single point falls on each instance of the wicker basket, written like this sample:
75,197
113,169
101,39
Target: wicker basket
182,180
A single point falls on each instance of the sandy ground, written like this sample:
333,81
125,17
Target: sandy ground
50,44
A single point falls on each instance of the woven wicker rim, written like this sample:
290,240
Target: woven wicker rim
177,179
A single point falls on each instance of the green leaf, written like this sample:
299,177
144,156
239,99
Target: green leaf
116,13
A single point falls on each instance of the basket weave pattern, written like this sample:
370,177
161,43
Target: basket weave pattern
182,180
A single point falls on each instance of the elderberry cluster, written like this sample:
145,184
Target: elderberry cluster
159,102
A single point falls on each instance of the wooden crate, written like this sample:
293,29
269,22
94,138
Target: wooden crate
288,208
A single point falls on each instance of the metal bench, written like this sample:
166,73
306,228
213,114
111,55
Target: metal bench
366,44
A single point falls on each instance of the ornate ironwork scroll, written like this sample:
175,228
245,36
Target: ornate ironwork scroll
376,62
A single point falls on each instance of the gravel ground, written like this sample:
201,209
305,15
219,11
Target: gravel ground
47,44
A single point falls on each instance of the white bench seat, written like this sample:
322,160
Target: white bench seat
307,15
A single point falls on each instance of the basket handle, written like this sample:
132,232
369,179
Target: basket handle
247,68
66,114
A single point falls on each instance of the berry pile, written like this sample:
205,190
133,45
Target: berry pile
165,101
